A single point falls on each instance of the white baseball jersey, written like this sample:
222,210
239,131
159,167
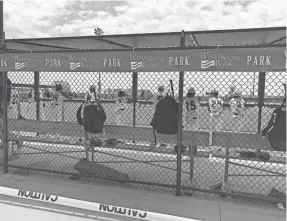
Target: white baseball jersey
31,96
121,103
41,94
91,97
237,106
121,109
15,97
58,98
215,105
190,107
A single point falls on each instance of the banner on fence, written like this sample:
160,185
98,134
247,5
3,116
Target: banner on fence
226,59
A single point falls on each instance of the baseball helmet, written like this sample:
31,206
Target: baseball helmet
92,88
160,88
236,94
214,93
121,94
191,92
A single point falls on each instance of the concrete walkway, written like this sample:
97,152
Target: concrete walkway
189,207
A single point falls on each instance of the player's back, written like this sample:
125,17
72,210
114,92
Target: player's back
91,97
237,106
58,98
121,103
215,105
190,106
15,98
31,96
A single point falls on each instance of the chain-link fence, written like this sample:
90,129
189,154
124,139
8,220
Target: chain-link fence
240,159
222,118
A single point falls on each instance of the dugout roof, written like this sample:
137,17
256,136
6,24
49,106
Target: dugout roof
235,37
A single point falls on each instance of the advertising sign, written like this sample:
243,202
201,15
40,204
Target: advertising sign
226,59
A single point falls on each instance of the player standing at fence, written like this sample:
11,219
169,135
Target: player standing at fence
190,109
13,99
54,110
237,107
16,103
141,97
159,96
215,108
57,96
31,96
121,107
91,95
58,101
30,101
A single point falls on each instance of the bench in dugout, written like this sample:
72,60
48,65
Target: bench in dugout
244,146
227,141
69,133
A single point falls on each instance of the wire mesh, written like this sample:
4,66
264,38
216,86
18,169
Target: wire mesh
230,154
240,160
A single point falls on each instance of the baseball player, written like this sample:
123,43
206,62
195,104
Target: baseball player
190,109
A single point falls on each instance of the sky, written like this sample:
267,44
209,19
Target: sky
53,18
57,18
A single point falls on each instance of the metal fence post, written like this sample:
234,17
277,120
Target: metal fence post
179,129
261,95
5,141
134,97
37,93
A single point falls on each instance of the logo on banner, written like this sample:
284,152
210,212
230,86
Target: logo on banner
3,63
75,65
144,61
216,59
81,62
25,63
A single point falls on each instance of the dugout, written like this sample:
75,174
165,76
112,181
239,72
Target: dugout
259,55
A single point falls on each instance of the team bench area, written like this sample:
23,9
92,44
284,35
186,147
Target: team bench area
69,133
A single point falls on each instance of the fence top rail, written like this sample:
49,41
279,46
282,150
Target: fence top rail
254,36
138,49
